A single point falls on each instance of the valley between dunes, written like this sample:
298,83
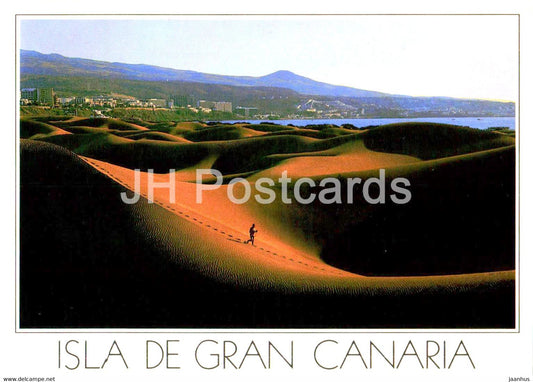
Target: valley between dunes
442,260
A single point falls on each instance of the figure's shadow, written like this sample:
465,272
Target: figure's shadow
238,241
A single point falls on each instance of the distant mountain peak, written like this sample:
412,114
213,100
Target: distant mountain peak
282,73
33,62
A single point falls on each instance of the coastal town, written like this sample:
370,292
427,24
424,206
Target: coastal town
100,105
179,107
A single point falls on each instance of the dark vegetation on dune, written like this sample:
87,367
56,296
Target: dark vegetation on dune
88,260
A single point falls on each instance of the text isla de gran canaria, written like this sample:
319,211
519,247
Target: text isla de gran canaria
225,353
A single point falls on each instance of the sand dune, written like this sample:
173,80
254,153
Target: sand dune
152,135
279,232
431,140
303,258
33,129
110,123
221,133
352,156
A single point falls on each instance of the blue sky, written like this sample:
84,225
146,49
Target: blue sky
457,56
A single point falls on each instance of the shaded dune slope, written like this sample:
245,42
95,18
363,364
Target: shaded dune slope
220,133
110,123
460,219
432,140
35,129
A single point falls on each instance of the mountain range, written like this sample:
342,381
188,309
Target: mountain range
35,63
281,93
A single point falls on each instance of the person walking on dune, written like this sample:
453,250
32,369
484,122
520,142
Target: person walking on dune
252,234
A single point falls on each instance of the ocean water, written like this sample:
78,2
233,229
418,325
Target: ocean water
477,123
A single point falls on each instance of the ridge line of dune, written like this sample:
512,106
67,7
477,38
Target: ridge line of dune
325,268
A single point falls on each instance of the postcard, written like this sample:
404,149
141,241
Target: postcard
235,196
